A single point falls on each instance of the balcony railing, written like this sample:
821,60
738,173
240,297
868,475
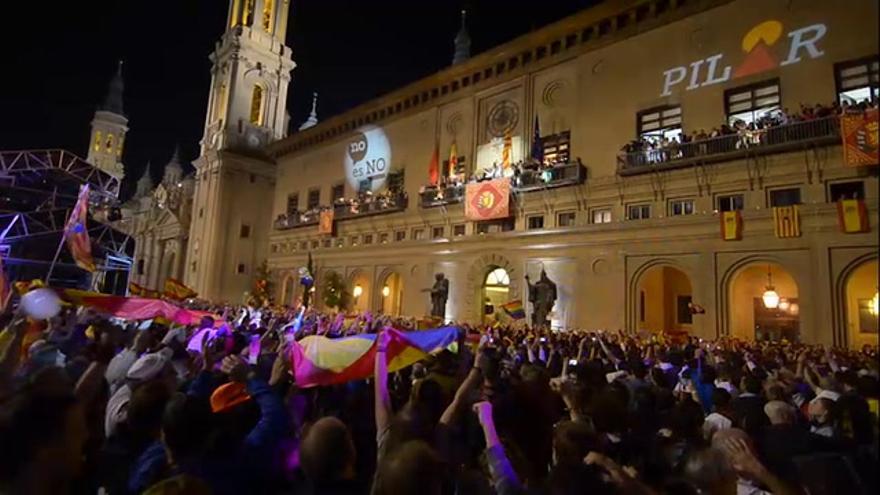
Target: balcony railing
763,141
379,205
347,210
526,181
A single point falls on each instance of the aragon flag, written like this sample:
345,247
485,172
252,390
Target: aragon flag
175,289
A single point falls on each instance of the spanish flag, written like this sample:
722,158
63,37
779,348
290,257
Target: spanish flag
731,225
135,289
77,234
453,159
853,216
175,289
787,221
318,360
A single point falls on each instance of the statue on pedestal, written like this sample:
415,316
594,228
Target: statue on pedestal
542,295
439,295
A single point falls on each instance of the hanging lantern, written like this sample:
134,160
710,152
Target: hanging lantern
358,290
386,291
770,297
784,305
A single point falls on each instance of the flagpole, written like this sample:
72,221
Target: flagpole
57,254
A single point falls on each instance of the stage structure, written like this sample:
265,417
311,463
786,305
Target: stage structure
38,189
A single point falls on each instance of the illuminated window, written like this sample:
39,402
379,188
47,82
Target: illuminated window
98,141
660,123
109,143
247,17
679,207
267,15
753,102
497,277
857,80
601,215
119,148
257,105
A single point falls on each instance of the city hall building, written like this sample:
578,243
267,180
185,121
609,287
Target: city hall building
741,233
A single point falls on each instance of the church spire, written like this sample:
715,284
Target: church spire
173,169
313,117
462,42
113,101
145,183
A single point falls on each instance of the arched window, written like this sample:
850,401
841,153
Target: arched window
98,141
268,14
498,277
257,105
119,148
109,144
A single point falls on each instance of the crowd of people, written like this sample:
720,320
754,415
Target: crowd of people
773,127
93,405
366,201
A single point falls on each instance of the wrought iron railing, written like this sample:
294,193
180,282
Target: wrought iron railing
770,140
377,206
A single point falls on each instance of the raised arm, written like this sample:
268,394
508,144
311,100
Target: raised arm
504,478
380,383
471,382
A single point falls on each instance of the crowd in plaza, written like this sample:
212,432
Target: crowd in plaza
91,405
769,128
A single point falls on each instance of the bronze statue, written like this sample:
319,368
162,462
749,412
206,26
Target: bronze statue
439,295
542,295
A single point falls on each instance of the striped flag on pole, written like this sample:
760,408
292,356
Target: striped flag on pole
77,233
787,221
507,151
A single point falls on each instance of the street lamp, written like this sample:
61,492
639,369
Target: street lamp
386,291
770,297
358,290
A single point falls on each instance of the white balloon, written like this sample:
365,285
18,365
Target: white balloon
41,304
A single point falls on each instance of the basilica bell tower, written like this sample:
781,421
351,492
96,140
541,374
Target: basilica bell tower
246,112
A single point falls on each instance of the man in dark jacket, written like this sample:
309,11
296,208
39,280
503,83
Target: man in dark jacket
748,407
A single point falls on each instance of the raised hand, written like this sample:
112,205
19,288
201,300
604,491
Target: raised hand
235,367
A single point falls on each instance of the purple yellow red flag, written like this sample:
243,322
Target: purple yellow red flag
852,216
487,200
175,289
731,225
318,360
77,233
859,134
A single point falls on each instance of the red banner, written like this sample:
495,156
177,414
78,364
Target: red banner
487,200
859,134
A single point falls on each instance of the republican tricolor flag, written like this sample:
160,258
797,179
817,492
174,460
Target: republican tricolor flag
77,234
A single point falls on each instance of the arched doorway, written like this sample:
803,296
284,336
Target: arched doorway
359,289
664,301
764,303
391,295
496,291
862,305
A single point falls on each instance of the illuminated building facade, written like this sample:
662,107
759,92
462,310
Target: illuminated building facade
630,232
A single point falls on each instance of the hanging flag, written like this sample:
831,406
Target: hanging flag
507,151
852,216
136,290
787,220
325,222
487,200
731,225
318,360
514,309
859,134
453,159
77,233
175,289
5,290
434,166
537,143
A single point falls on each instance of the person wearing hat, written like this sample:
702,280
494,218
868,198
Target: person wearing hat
151,366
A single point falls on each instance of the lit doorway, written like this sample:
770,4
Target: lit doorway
391,293
862,305
496,290
664,301
764,304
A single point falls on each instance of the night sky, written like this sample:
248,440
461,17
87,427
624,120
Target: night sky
61,55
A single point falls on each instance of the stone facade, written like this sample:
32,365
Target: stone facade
595,75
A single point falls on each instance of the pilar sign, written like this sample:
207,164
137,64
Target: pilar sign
759,57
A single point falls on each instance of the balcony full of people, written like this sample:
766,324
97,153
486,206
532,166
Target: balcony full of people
364,204
774,128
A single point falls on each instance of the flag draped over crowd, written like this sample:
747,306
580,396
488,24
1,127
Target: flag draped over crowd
77,234
133,308
319,360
